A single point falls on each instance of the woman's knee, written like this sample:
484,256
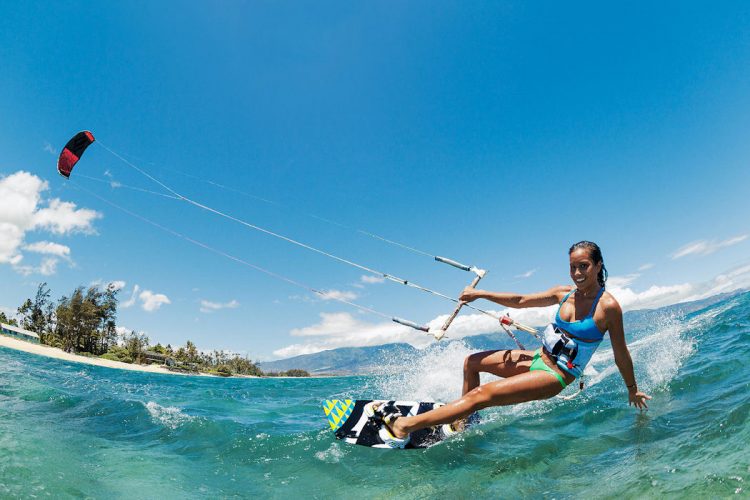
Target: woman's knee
467,363
472,362
478,398
486,361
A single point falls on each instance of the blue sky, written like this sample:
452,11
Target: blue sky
494,133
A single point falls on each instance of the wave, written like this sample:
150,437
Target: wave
169,416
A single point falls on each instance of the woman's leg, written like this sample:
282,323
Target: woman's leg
521,388
501,363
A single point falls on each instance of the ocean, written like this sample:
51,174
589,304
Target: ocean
70,431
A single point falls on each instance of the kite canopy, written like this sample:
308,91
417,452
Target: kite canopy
73,151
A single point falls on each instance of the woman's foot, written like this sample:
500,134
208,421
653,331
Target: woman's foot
448,430
388,415
464,423
398,427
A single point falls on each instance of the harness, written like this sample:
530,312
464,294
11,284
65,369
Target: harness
569,352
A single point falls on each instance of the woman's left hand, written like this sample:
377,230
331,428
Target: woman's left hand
469,294
638,399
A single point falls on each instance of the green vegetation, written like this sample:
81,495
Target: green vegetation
84,323
7,320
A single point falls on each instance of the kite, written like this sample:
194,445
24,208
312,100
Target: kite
73,151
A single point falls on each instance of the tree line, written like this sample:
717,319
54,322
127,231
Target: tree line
84,322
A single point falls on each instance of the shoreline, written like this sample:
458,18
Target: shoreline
56,353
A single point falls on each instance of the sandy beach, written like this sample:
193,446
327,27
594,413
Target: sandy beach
53,352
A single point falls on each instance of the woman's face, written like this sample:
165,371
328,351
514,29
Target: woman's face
583,270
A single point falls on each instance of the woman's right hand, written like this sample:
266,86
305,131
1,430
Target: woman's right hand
469,294
638,398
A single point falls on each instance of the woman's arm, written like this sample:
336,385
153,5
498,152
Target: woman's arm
518,301
622,355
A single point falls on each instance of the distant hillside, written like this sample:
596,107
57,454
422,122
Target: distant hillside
366,360
342,361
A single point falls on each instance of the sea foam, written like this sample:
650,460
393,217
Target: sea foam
169,416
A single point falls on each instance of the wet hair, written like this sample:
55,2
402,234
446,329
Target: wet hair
596,255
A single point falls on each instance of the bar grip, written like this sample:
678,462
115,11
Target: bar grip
507,320
526,329
453,263
411,324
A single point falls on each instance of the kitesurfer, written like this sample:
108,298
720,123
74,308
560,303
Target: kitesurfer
586,313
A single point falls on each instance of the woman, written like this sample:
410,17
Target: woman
586,312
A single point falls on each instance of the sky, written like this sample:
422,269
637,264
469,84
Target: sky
493,133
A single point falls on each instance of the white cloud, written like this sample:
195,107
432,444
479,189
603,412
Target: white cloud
621,281
49,148
11,238
48,247
338,295
527,274
371,279
151,301
735,273
19,197
62,217
47,267
646,267
133,297
10,313
116,285
736,278
113,285
653,297
124,330
659,296
22,209
108,285
209,307
332,324
706,247
342,329
299,349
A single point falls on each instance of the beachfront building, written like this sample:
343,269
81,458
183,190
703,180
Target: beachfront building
151,357
18,333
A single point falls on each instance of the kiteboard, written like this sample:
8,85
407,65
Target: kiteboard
350,424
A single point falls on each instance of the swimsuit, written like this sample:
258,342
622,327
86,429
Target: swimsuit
560,342
537,363
584,329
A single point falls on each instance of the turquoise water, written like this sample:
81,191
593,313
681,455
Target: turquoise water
70,430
